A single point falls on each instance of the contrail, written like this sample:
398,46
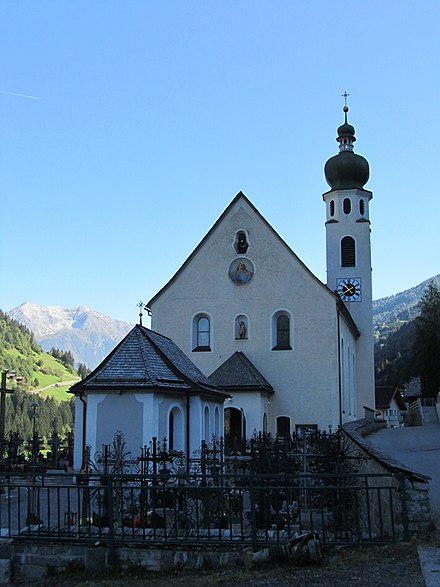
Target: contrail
20,95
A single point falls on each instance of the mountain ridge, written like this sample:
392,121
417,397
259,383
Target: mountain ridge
88,334
91,335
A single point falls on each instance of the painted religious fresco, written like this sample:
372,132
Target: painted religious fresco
241,271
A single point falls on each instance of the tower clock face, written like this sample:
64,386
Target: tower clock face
349,289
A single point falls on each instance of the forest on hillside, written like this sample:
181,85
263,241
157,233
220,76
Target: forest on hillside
413,349
25,364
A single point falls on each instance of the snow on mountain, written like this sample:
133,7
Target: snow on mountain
89,335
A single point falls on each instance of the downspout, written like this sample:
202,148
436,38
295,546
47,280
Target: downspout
83,464
338,306
187,432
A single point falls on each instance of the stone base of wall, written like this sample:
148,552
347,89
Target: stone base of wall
33,561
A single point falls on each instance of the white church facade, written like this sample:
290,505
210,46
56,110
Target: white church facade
245,339
291,351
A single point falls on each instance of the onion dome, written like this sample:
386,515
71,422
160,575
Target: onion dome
346,170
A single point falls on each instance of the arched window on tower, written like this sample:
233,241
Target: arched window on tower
347,206
332,208
361,207
348,252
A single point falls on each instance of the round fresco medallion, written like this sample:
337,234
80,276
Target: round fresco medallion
241,271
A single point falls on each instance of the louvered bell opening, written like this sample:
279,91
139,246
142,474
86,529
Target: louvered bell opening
348,252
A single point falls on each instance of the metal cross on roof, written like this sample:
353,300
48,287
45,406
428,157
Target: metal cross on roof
345,96
141,307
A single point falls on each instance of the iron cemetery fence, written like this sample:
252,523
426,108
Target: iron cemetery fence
266,494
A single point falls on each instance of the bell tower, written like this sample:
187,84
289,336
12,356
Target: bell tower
349,250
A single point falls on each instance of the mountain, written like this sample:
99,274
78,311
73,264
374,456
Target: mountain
390,313
87,334
395,323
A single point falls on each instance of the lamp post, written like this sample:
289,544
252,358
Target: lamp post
35,447
32,515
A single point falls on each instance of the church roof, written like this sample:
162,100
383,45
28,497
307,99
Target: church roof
238,197
238,373
146,360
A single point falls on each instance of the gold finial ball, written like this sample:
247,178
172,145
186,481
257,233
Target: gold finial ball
345,109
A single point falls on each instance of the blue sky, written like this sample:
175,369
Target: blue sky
154,114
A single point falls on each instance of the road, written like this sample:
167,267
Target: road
419,448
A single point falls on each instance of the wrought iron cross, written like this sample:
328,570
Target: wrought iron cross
345,96
141,307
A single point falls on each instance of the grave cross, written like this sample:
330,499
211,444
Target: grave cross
3,392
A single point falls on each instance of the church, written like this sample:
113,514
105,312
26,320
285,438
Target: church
244,337
291,352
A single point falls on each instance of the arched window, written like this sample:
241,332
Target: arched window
201,333
348,252
281,332
347,206
361,207
217,422
206,422
241,245
175,429
283,426
332,208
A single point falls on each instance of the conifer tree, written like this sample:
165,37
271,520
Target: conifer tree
427,341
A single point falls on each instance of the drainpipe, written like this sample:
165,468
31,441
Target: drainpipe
338,306
84,424
187,432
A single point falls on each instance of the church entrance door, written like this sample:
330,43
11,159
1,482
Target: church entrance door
235,429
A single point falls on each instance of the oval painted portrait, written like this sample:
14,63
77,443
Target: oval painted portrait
241,271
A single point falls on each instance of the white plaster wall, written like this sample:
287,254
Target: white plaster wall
120,413
305,379
92,421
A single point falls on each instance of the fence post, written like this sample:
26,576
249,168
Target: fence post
253,512
406,535
111,527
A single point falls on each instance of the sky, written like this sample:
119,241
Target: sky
127,127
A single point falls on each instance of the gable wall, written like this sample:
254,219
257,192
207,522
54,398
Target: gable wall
305,379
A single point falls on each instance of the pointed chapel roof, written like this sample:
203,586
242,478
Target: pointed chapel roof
146,360
240,374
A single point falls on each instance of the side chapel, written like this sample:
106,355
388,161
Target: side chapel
250,340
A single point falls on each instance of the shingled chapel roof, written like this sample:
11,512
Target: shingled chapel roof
239,374
147,361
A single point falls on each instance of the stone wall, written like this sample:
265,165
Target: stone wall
415,508
31,560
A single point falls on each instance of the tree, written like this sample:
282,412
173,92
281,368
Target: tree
427,341
83,370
